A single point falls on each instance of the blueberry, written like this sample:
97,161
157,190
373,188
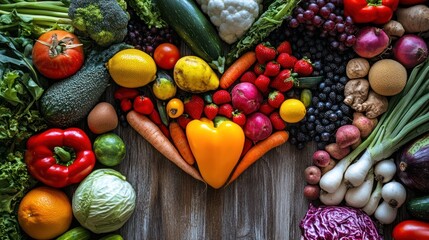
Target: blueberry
321,145
293,141
332,96
320,128
326,90
328,105
311,119
320,106
339,114
317,138
322,85
301,137
334,107
330,128
325,136
325,121
333,117
322,97
309,126
300,145
314,100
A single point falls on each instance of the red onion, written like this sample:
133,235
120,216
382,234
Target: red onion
246,97
370,42
410,50
258,127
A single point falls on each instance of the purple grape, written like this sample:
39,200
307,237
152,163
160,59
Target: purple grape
308,14
313,7
335,44
339,19
320,3
328,25
340,27
348,21
300,17
350,40
330,6
324,12
342,37
293,23
317,20
332,16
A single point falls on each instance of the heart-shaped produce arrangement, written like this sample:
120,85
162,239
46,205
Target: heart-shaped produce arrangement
214,127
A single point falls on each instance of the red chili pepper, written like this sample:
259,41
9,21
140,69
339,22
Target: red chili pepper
155,117
126,105
125,93
370,11
143,105
59,157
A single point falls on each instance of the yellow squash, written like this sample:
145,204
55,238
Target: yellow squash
216,149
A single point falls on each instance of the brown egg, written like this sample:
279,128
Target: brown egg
102,118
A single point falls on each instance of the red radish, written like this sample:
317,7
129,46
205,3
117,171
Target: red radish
312,175
311,191
246,97
410,50
347,135
321,158
336,152
257,127
370,42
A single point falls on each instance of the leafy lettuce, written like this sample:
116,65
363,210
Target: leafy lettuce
19,119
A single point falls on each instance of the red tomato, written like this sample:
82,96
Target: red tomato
143,105
166,55
411,230
58,54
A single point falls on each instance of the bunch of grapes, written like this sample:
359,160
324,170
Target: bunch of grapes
144,38
328,17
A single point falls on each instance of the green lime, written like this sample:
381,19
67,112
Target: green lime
109,149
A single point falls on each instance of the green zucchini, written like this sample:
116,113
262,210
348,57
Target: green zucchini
77,233
112,237
419,207
190,23
307,82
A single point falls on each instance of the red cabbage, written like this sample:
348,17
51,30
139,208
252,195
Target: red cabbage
337,222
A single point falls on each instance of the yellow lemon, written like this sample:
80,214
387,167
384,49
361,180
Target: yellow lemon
132,68
292,110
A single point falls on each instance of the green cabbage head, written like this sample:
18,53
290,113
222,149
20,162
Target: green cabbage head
104,201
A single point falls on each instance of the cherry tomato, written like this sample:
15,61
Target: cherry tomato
58,54
166,55
175,108
143,105
411,230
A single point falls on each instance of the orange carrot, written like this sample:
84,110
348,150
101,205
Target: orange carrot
258,150
237,69
151,132
181,142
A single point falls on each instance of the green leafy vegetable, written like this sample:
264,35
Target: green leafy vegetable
33,18
19,119
148,13
269,20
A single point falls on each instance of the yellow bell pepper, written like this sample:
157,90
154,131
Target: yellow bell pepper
216,149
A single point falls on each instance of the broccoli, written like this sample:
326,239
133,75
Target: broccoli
105,21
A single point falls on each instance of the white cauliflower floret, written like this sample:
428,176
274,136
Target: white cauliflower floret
231,17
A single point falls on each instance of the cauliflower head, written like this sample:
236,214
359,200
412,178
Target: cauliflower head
231,17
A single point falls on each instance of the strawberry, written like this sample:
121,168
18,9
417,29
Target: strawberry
262,82
221,96
275,98
284,47
266,108
272,69
265,52
303,67
259,68
277,122
194,106
284,81
183,120
211,110
239,118
226,110
248,76
286,60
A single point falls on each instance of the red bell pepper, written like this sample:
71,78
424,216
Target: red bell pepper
370,11
59,157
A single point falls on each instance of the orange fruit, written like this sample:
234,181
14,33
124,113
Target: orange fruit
45,213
